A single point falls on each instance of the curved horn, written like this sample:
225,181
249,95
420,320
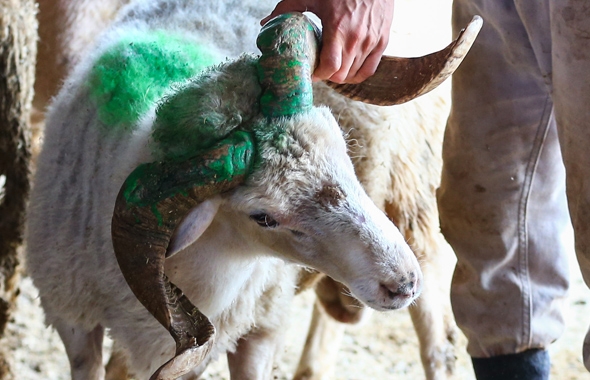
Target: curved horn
151,203
399,80
289,51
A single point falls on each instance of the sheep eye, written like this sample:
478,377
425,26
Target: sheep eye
264,220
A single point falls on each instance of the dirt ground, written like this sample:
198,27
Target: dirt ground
385,346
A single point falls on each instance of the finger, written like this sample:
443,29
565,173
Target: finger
366,69
354,47
286,6
330,59
352,71
349,65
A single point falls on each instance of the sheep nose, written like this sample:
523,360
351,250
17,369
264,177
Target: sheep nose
406,288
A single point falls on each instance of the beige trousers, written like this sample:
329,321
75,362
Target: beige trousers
521,102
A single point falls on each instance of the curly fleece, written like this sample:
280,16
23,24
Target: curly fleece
136,71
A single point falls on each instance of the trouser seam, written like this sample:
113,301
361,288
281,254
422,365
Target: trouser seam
523,253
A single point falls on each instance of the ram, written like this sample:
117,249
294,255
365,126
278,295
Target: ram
178,195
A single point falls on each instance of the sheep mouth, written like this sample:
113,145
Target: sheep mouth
399,302
389,297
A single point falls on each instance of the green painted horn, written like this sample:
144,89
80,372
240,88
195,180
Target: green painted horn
289,46
151,203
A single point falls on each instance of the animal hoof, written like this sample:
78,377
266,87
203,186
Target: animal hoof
183,362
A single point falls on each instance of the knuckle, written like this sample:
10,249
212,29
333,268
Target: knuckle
382,43
374,43
339,76
329,64
354,39
361,75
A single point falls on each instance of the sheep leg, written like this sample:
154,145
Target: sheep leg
334,304
257,351
255,355
116,368
435,327
337,301
321,347
84,349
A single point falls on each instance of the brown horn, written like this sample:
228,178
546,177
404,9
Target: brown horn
151,203
399,80
289,46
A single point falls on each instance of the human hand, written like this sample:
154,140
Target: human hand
355,34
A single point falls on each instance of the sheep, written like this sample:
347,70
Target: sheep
90,150
396,154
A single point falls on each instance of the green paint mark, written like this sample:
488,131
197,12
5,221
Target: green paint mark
283,64
183,126
158,215
269,133
152,182
205,109
135,72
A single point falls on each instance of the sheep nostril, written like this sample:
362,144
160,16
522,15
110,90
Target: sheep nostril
405,290
390,294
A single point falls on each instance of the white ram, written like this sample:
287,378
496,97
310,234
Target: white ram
119,117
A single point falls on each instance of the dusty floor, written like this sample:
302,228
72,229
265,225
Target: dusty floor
385,347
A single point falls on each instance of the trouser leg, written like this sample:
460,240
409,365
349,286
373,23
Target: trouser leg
502,198
570,28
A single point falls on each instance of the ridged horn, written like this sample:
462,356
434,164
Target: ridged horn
151,203
289,47
399,80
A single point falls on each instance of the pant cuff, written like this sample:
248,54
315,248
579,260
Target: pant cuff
533,364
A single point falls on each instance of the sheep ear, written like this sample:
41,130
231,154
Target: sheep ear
193,225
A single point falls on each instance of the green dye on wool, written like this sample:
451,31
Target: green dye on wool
205,109
131,75
267,133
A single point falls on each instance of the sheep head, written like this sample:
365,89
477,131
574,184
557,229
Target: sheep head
307,206
275,130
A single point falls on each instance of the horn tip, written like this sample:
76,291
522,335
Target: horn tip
183,362
474,25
